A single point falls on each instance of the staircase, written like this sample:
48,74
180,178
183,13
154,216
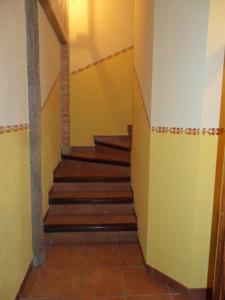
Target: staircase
91,198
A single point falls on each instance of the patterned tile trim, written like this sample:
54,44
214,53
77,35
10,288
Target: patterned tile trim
102,60
12,128
189,131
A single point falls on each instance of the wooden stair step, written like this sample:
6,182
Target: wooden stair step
122,159
87,209
91,186
120,142
77,171
90,197
89,223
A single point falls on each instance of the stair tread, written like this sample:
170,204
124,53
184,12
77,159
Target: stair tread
87,171
92,219
90,195
119,142
98,156
92,187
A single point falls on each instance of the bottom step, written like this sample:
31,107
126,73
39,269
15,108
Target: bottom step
90,223
65,229
79,238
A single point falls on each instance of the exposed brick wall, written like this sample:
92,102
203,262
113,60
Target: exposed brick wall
65,95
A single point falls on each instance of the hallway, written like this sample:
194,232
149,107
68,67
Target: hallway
95,271
112,137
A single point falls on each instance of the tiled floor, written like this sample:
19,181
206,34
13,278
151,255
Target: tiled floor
103,271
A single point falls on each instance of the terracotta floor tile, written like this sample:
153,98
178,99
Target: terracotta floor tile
156,297
130,254
102,298
138,282
127,236
101,237
30,283
183,297
45,299
101,254
99,281
55,283
63,257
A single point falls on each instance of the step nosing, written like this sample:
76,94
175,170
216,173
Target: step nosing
88,202
90,227
99,161
71,180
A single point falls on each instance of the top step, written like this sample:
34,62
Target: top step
120,142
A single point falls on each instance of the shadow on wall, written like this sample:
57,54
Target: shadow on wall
86,42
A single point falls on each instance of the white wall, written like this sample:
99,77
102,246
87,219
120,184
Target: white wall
214,65
143,54
188,63
90,24
13,62
50,63
180,36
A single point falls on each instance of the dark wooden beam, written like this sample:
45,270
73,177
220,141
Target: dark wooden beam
47,7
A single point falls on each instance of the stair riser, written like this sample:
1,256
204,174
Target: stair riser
95,166
101,161
110,150
76,179
90,186
91,209
79,238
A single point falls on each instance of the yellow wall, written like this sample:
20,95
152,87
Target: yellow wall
50,51
98,29
182,167
50,140
15,212
182,170
143,41
50,65
101,100
173,181
140,164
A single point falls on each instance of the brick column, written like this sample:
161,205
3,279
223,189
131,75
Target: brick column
65,96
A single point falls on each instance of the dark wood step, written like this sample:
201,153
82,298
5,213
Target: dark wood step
121,159
122,142
78,238
90,223
76,171
91,187
91,197
90,209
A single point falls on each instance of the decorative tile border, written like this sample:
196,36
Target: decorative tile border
102,60
13,128
189,131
